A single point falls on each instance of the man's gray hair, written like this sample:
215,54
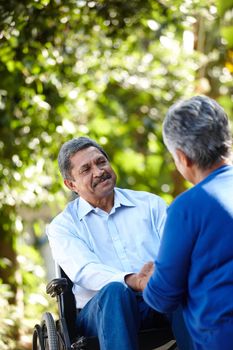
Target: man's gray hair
69,149
199,127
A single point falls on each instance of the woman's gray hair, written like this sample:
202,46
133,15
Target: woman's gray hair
199,127
69,149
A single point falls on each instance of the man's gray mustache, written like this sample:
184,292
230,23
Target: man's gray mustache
102,178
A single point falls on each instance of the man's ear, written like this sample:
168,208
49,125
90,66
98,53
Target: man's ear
183,158
71,185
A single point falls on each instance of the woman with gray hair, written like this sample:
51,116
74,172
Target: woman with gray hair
194,266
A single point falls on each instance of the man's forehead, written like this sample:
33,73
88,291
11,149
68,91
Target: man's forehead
87,154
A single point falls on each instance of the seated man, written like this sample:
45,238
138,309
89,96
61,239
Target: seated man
199,226
101,240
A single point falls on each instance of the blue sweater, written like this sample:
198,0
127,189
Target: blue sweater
195,262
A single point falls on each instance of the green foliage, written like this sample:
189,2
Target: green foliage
7,323
224,5
227,33
108,69
225,9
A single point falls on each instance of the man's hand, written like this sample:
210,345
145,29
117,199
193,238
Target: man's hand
138,281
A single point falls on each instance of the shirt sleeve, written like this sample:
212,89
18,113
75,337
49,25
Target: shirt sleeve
160,214
84,269
167,286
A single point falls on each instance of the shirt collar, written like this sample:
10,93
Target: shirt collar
85,208
121,200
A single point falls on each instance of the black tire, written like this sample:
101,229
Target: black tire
48,332
37,340
60,338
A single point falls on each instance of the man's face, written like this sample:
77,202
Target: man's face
93,176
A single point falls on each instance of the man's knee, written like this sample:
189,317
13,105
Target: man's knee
114,288
116,292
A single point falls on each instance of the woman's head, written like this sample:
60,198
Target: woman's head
198,127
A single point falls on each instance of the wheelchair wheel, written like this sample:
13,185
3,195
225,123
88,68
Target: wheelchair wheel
48,333
37,340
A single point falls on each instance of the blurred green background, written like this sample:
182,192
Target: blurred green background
107,69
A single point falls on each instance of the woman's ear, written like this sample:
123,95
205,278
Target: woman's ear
183,158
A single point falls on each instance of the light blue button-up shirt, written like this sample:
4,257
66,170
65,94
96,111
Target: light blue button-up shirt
94,247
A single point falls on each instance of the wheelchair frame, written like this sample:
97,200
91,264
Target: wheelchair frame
61,334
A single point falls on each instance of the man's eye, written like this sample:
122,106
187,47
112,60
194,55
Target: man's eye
83,171
103,161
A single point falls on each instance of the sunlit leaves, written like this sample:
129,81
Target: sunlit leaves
224,5
91,67
227,33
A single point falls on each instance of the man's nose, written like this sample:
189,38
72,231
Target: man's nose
97,170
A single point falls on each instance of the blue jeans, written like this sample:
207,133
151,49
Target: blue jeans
116,314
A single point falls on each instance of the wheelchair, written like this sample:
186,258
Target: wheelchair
61,334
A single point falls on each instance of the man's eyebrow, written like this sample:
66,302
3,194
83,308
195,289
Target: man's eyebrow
84,166
101,157
87,165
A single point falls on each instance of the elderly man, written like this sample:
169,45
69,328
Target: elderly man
198,235
101,240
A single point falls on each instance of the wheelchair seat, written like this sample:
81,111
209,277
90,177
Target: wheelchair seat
62,334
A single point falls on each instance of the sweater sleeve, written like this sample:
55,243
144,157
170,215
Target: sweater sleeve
168,285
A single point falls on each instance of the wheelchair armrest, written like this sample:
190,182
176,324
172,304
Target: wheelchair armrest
56,287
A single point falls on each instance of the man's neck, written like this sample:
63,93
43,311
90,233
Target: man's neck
106,203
